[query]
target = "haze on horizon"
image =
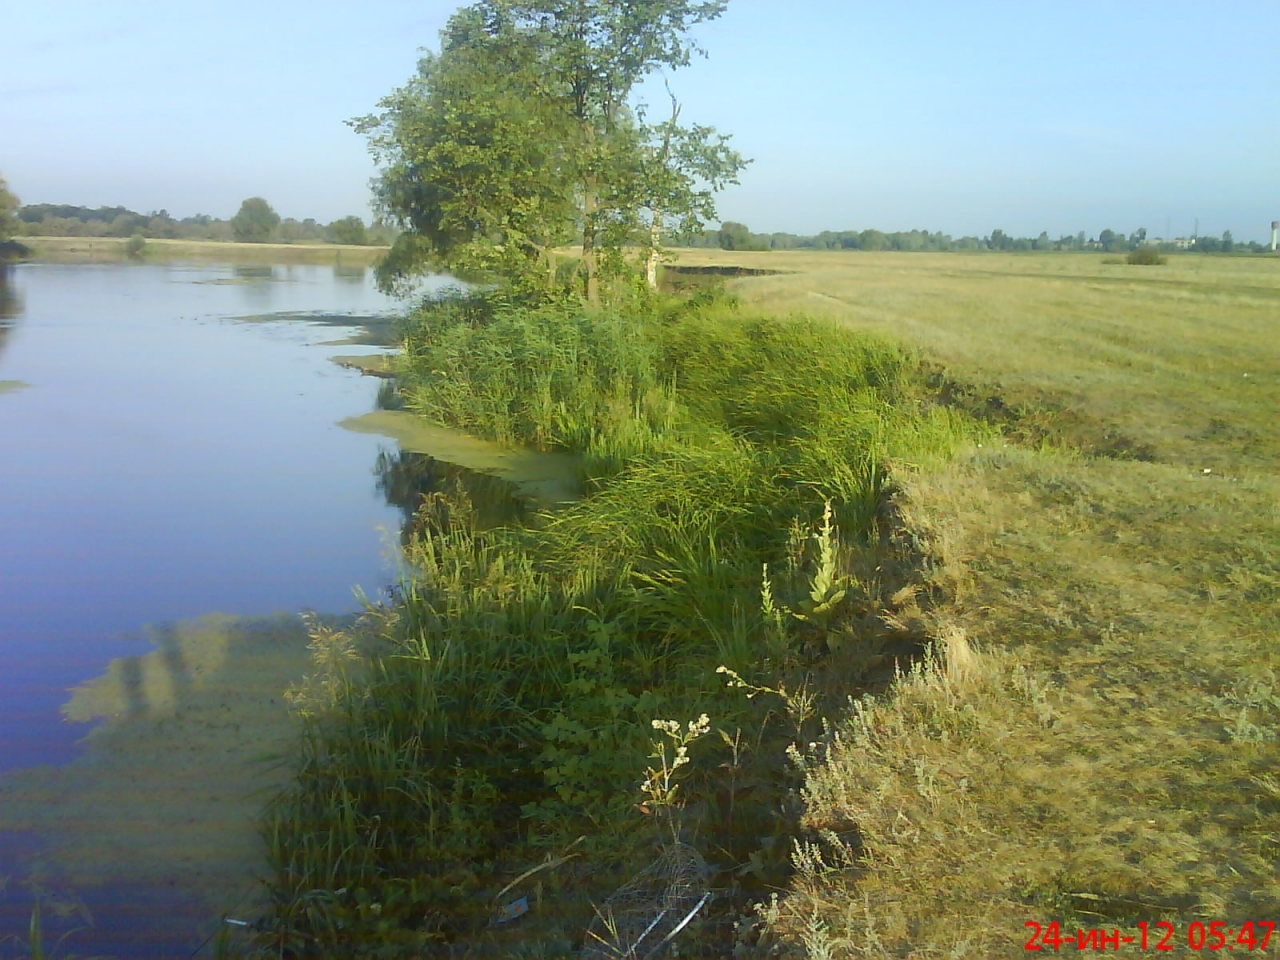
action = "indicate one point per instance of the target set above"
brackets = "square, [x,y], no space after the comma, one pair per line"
[927,114]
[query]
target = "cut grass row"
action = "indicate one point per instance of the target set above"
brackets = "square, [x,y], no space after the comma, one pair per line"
[1108,757]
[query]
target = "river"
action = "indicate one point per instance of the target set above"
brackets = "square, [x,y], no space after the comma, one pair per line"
[172,475]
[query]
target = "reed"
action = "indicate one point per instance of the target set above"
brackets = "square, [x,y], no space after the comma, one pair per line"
[508,700]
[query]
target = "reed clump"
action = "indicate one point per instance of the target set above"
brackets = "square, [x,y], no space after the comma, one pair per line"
[507,703]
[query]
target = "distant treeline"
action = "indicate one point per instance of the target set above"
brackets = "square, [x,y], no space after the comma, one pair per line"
[736,236]
[66,220]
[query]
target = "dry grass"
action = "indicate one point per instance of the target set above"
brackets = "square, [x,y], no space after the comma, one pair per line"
[80,249]
[1109,755]
[1117,357]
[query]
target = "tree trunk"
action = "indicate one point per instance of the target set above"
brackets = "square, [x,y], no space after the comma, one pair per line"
[651,261]
[589,188]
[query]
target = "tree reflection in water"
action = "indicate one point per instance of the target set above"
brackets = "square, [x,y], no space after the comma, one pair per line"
[10,304]
[410,480]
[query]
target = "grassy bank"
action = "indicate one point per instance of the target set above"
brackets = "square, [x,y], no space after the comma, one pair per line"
[113,249]
[495,744]
[1109,757]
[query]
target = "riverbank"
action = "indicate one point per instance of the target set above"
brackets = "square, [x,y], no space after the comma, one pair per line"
[114,249]
[1108,758]
[511,708]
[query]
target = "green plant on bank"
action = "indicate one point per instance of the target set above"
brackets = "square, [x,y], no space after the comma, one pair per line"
[35,946]
[661,782]
[1145,257]
[135,246]
[510,686]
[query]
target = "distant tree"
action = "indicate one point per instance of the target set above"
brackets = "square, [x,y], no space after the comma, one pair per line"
[255,221]
[1138,237]
[135,245]
[348,230]
[1228,242]
[735,236]
[1043,242]
[872,240]
[1113,242]
[162,226]
[10,225]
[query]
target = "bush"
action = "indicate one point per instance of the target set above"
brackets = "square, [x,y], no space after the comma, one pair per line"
[1146,257]
[135,245]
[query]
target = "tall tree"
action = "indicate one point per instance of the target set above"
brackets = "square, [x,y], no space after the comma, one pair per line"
[596,52]
[473,164]
[255,221]
[519,135]
[681,170]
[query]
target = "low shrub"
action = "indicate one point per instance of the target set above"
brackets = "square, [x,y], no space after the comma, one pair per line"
[1145,257]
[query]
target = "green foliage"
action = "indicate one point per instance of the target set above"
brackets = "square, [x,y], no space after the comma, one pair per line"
[736,236]
[10,225]
[9,222]
[1145,256]
[255,222]
[348,230]
[509,706]
[135,245]
[517,137]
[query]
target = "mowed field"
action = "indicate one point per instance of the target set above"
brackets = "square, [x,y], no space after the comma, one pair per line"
[1101,747]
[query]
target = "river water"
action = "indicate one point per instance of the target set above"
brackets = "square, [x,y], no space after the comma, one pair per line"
[169,449]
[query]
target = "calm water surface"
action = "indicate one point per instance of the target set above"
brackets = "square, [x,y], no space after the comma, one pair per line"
[162,459]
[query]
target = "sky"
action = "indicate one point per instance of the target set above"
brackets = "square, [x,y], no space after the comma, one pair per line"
[961,117]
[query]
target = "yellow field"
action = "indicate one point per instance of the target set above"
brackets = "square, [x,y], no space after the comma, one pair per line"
[81,249]
[1108,755]
[1160,355]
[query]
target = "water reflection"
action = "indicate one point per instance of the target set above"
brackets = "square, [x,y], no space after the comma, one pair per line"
[410,482]
[389,397]
[243,271]
[10,304]
[343,273]
[171,787]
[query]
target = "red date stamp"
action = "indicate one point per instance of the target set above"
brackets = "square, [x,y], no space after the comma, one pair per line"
[1211,935]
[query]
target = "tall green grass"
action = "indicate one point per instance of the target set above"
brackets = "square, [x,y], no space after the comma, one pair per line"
[509,702]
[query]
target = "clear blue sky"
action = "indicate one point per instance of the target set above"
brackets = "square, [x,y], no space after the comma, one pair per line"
[959,116]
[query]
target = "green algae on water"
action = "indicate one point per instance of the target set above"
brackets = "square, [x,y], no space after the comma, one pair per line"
[549,478]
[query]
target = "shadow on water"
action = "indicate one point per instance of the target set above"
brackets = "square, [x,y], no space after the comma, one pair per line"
[408,480]
[349,273]
[253,271]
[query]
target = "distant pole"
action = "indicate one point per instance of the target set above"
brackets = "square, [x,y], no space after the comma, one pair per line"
[1275,226]
[1195,234]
